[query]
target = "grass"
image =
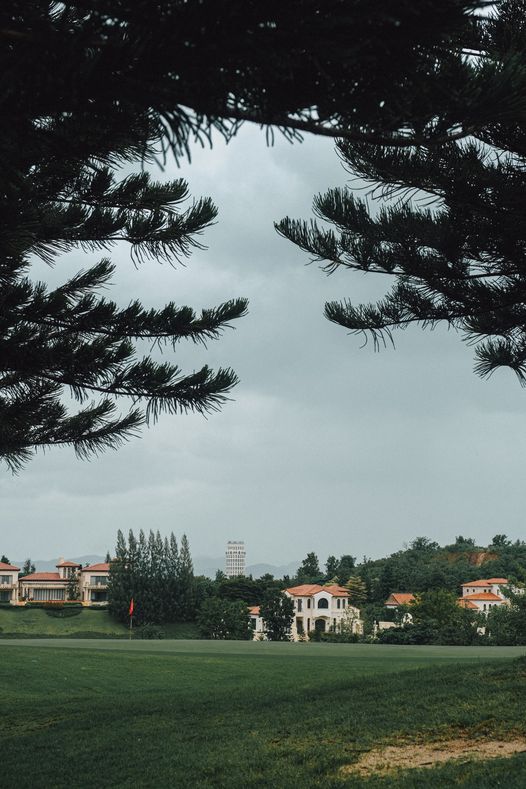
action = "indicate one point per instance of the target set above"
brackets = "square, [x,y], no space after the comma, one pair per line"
[90,623]
[236,715]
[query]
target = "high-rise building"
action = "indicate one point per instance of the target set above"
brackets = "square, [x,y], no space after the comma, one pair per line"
[235,558]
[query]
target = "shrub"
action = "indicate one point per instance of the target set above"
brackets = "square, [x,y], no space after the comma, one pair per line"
[149,631]
[62,613]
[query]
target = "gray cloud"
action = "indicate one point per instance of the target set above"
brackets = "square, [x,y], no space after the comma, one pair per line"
[326,446]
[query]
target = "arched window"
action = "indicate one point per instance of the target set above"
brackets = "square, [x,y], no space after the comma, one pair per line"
[323,602]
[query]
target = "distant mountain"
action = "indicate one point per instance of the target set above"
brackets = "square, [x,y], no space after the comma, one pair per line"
[203,565]
[257,570]
[50,565]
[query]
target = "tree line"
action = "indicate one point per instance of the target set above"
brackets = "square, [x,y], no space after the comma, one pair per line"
[157,574]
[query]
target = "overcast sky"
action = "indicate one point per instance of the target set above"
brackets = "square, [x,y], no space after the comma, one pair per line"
[326,446]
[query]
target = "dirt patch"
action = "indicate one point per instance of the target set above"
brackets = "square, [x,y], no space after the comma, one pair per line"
[407,757]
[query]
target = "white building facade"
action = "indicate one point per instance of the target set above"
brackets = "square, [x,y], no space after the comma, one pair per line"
[485,594]
[235,558]
[323,608]
[9,583]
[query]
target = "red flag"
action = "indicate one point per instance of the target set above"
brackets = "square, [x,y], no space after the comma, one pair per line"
[130,612]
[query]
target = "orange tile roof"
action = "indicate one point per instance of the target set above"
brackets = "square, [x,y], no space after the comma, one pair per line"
[400,598]
[43,577]
[337,591]
[487,582]
[4,566]
[67,564]
[482,596]
[102,567]
[466,603]
[498,580]
[304,590]
[254,610]
[308,590]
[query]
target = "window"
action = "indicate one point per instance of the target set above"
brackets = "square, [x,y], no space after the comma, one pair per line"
[338,604]
[5,579]
[343,602]
[4,597]
[99,580]
[47,594]
[308,603]
[300,605]
[323,602]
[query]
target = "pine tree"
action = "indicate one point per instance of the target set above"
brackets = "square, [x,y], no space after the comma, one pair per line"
[134,80]
[338,68]
[357,591]
[71,339]
[187,592]
[120,591]
[28,568]
[457,257]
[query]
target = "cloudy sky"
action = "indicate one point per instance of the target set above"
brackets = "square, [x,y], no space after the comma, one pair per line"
[326,446]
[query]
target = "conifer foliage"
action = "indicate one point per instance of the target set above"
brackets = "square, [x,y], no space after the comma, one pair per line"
[156,575]
[70,339]
[352,68]
[452,233]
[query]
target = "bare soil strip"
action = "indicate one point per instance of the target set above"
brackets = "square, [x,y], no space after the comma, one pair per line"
[407,757]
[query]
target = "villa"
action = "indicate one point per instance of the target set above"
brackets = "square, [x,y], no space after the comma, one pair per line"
[9,583]
[93,584]
[323,608]
[484,594]
[71,581]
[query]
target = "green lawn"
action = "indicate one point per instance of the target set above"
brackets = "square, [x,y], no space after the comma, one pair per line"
[234,714]
[89,623]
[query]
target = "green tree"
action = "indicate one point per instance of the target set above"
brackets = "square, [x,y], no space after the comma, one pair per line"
[357,591]
[331,566]
[224,619]
[4,559]
[27,569]
[277,612]
[456,258]
[72,589]
[500,541]
[309,568]
[356,70]
[187,592]
[71,337]
[134,80]
[346,566]
[506,624]
[120,584]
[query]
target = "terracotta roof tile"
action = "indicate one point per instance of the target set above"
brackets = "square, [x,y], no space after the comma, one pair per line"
[467,603]
[337,591]
[304,590]
[400,598]
[486,582]
[482,596]
[43,577]
[102,567]
[67,564]
[308,590]
[254,610]
[4,566]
